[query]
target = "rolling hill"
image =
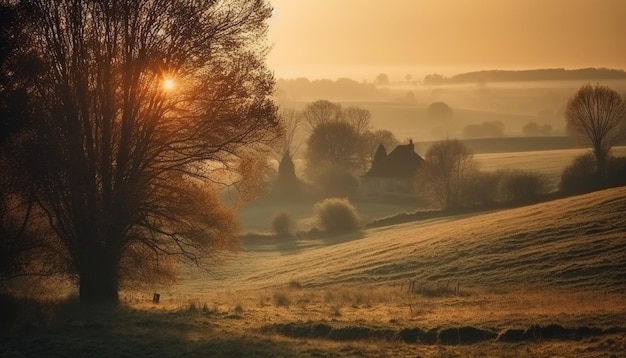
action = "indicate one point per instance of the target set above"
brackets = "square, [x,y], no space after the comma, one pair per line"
[573,244]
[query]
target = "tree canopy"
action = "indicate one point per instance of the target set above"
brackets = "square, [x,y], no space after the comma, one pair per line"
[598,115]
[137,106]
[445,177]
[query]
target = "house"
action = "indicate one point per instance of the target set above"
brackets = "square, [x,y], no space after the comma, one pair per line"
[393,173]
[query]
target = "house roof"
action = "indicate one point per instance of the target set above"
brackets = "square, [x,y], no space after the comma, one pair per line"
[402,162]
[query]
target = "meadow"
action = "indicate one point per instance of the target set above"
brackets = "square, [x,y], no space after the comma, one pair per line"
[543,280]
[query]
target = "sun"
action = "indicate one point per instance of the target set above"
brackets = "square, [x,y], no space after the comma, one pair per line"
[168,84]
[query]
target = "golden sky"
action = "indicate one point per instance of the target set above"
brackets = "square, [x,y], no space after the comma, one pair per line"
[361,38]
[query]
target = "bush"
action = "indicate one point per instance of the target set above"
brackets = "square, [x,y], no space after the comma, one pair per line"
[283,224]
[336,215]
[481,189]
[580,176]
[520,187]
[616,171]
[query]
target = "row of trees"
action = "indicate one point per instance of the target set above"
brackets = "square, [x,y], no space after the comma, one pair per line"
[340,143]
[597,115]
[118,117]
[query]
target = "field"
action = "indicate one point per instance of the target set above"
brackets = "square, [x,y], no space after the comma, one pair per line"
[542,280]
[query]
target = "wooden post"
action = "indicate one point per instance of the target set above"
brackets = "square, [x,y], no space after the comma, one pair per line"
[156,297]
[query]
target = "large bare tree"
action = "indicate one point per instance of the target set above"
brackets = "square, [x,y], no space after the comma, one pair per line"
[142,103]
[598,115]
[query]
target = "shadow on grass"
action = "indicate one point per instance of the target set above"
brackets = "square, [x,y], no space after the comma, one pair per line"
[106,331]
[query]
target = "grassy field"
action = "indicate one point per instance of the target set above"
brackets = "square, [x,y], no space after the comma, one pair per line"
[543,280]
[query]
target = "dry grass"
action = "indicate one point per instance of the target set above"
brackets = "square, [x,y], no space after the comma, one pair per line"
[556,264]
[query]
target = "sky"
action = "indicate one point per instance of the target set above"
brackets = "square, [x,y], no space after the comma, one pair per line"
[362,38]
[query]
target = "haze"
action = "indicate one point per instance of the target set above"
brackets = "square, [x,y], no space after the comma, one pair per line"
[359,39]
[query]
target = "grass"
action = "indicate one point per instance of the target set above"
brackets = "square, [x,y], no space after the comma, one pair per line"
[553,268]
[372,321]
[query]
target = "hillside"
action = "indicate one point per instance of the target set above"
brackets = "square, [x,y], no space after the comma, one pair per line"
[542,281]
[574,244]
[548,74]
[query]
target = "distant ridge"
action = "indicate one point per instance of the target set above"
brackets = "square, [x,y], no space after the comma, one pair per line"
[554,74]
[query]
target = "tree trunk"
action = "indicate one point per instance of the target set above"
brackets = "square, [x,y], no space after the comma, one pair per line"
[601,159]
[98,279]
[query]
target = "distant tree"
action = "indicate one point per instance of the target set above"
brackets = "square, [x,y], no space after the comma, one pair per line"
[439,110]
[381,136]
[321,112]
[337,143]
[120,163]
[493,129]
[358,118]
[598,116]
[449,170]
[434,79]
[338,136]
[382,80]
[532,129]
[292,121]
[287,183]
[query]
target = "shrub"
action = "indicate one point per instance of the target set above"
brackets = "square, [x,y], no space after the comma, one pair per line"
[520,186]
[580,176]
[336,215]
[283,224]
[616,171]
[481,189]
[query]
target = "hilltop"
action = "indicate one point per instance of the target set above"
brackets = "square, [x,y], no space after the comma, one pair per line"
[548,74]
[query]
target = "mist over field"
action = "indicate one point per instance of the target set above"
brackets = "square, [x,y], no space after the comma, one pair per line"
[401,105]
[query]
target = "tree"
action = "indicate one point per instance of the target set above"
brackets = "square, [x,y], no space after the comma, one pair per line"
[439,110]
[337,143]
[358,118]
[23,247]
[448,170]
[532,129]
[598,115]
[321,112]
[382,80]
[292,122]
[339,136]
[141,104]
[494,129]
